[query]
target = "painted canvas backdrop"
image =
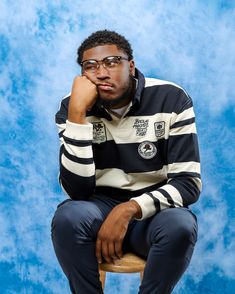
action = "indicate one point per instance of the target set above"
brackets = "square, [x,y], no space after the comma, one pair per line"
[191,43]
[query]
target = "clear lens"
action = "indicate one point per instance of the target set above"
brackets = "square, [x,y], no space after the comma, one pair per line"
[109,62]
[90,65]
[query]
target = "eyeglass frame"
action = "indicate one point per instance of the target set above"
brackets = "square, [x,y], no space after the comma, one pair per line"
[99,62]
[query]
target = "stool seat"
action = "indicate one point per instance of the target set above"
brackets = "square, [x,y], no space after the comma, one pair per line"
[129,263]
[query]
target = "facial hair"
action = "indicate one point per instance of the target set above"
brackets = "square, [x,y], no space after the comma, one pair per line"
[109,104]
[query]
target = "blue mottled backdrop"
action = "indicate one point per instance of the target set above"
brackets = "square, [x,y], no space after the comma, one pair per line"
[189,42]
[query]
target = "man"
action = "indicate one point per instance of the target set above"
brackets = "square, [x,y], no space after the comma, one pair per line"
[129,162]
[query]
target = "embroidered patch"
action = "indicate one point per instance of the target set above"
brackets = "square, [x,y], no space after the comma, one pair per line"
[141,126]
[99,132]
[147,150]
[159,128]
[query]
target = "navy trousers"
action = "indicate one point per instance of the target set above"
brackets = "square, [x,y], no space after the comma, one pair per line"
[165,240]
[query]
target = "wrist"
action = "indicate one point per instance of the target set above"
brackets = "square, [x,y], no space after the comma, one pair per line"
[136,211]
[78,117]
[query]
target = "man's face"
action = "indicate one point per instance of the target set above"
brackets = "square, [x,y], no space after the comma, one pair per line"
[112,83]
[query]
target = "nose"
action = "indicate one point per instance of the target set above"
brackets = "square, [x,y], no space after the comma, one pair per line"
[102,72]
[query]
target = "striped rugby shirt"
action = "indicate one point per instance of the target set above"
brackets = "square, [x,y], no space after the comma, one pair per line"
[150,154]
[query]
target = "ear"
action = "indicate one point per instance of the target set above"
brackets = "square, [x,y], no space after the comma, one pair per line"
[132,68]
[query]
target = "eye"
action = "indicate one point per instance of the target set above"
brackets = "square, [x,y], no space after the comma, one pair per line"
[90,65]
[111,61]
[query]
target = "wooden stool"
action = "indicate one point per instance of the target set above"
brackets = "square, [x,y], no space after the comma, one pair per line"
[129,263]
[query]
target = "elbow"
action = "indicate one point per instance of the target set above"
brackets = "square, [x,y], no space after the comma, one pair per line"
[76,194]
[76,190]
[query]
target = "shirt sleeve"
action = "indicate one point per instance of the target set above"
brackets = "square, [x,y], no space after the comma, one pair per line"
[77,168]
[183,185]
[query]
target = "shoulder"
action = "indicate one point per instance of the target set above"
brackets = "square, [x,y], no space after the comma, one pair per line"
[168,95]
[63,108]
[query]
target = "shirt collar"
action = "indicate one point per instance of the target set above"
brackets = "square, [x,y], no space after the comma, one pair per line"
[140,86]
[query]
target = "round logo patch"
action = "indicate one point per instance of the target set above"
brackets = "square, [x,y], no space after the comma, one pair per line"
[147,150]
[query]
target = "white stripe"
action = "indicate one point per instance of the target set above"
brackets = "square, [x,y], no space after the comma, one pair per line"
[124,130]
[84,170]
[190,166]
[78,131]
[79,151]
[157,82]
[187,129]
[162,199]
[61,127]
[186,114]
[117,178]
[174,193]
[146,203]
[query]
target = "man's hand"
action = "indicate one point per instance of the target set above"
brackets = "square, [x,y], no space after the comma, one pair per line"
[113,230]
[83,96]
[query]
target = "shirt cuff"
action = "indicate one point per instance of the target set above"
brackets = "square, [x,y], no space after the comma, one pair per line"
[78,131]
[146,204]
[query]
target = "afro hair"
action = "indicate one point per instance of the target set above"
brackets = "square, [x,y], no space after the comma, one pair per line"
[104,37]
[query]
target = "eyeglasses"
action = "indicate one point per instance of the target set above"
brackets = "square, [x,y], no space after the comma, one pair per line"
[110,62]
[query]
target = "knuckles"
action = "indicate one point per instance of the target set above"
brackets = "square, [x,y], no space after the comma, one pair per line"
[108,238]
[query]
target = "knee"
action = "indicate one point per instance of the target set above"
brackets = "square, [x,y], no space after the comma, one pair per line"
[72,222]
[178,227]
[183,233]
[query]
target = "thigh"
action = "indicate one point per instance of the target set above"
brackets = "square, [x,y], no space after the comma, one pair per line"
[81,218]
[170,226]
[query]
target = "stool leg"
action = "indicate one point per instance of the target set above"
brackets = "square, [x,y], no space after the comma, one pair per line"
[141,276]
[102,278]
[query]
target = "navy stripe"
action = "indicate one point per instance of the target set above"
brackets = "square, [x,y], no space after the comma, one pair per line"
[183,148]
[183,174]
[62,114]
[60,119]
[170,99]
[187,188]
[61,133]
[78,159]
[167,196]
[79,143]
[125,195]
[76,186]
[162,99]
[156,201]
[183,123]
[127,157]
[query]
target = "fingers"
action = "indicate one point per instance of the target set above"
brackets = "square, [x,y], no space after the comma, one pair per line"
[102,250]
[112,254]
[105,252]
[85,76]
[118,249]
[98,251]
[109,251]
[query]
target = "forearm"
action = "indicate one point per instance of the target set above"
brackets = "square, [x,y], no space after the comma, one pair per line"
[77,169]
[83,97]
[178,192]
[77,116]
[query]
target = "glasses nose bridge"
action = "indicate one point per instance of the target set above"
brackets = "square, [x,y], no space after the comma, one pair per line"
[99,63]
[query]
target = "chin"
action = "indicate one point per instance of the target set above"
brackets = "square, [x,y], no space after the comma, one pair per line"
[107,103]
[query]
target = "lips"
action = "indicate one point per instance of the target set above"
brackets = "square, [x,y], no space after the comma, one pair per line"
[105,87]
